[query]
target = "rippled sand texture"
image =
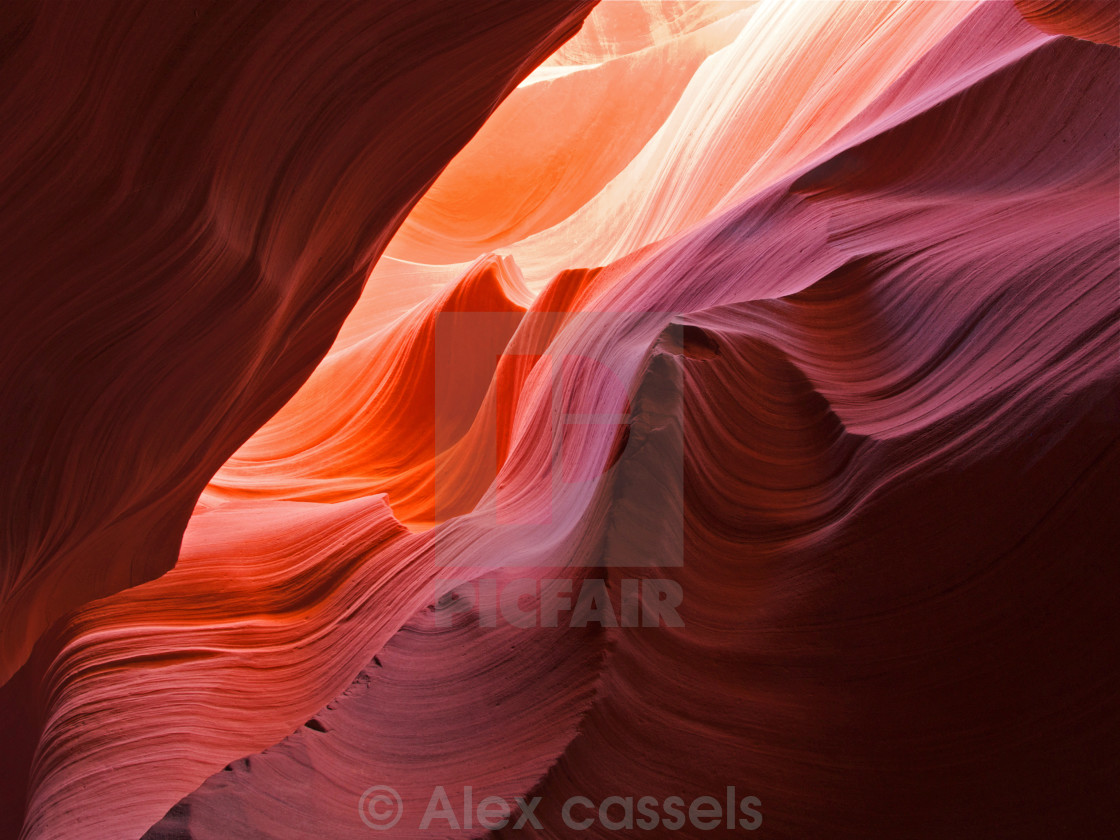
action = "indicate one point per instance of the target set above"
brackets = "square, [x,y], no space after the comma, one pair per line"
[845,274]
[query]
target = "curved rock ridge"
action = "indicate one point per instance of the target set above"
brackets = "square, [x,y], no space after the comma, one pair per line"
[775,447]
[1091,20]
[792,75]
[393,724]
[363,421]
[515,179]
[193,197]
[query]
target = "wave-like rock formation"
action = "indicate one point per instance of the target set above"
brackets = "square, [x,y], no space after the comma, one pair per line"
[740,408]
[192,196]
